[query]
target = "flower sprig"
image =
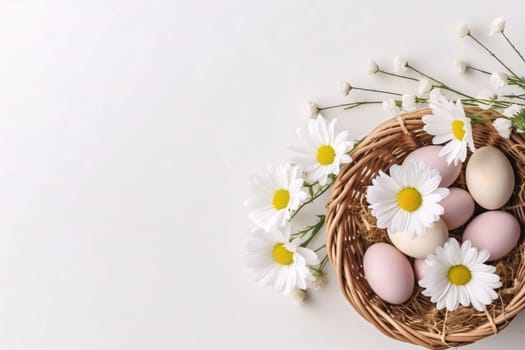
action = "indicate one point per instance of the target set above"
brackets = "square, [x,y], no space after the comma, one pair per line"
[277,255]
[505,92]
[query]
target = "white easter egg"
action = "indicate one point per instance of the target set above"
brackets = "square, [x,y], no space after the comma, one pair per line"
[490,178]
[422,245]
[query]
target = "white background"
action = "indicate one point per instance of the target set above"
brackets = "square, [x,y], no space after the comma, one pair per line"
[128,130]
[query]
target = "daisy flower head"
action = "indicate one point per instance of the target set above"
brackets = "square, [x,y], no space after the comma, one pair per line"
[461,66]
[408,199]
[298,296]
[323,150]
[487,98]
[277,261]
[344,88]
[512,110]
[275,194]
[390,107]
[400,64]
[408,103]
[462,30]
[435,95]
[424,86]
[372,67]
[498,80]
[312,109]
[448,123]
[497,25]
[457,275]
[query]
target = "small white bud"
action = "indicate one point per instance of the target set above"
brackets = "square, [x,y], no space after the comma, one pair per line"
[372,67]
[400,64]
[408,103]
[390,107]
[503,126]
[425,85]
[435,96]
[461,67]
[312,109]
[497,26]
[344,88]
[498,80]
[319,281]
[462,30]
[512,110]
[298,296]
[488,98]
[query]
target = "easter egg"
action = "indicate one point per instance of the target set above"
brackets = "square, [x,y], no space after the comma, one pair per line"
[490,178]
[458,206]
[430,155]
[495,231]
[420,266]
[389,273]
[422,245]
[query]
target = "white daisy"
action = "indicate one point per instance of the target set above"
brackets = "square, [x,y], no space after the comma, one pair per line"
[275,261]
[448,123]
[407,200]
[275,195]
[457,275]
[322,151]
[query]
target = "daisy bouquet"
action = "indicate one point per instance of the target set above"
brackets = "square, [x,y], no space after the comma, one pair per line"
[433,195]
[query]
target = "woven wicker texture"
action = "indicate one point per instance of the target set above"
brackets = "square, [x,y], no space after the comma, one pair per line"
[351,229]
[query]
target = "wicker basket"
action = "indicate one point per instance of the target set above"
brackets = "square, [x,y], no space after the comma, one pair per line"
[351,229]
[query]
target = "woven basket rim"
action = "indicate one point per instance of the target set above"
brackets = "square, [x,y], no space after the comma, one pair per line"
[341,243]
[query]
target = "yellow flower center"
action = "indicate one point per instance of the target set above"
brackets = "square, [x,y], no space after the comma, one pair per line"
[458,129]
[409,199]
[282,255]
[459,275]
[325,155]
[280,199]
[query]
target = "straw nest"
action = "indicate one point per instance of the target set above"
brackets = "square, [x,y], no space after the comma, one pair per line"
[351,230]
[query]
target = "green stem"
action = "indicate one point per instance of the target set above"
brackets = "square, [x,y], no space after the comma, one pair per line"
[512,45]
[479,70]
[316,195]
[442,85]
[512,81]
[514,96]
[476,118]
[357,104]
[321,247]
[493,55]
[379,91]
[323,263]
[398,75]
[316,228]
[349,105]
